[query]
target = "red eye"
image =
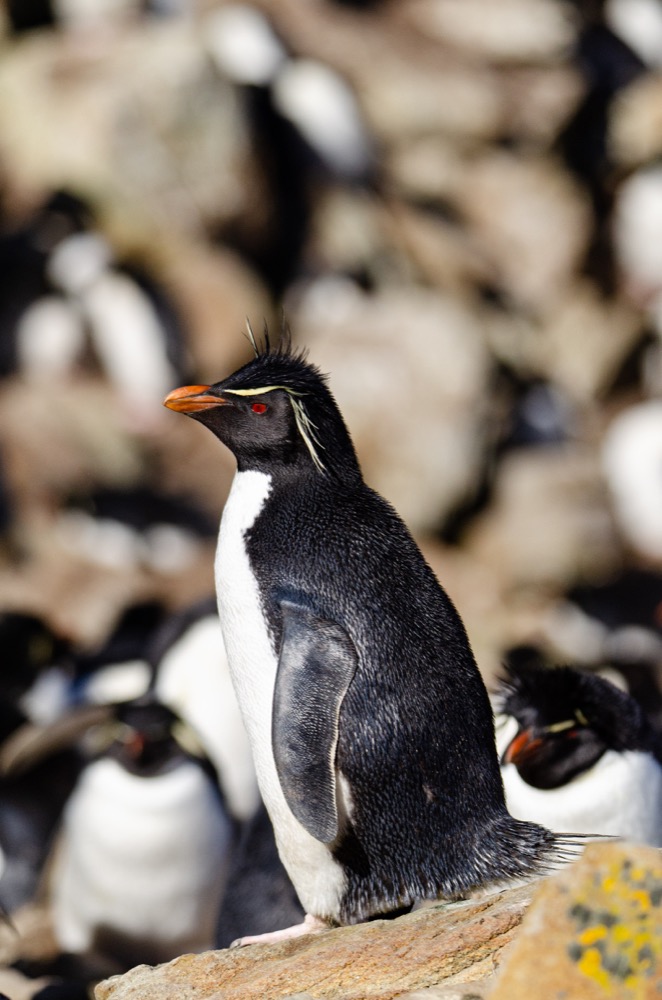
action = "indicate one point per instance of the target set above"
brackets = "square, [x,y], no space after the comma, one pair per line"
[259,407]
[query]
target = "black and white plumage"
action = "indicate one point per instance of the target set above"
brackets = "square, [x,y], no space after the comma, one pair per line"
[307,132]
[316,99]
[66,294]
[578,752]
[134,527]
[259,897]
[192,677]
[117,670]
[30,804]
[370,725]
[145,843]
[180,658]
[617,621]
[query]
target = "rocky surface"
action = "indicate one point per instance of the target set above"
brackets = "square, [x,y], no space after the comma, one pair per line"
[592,930]
[486,299]
[459,943]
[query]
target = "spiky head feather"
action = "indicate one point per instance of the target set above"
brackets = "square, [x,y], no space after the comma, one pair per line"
[318,419]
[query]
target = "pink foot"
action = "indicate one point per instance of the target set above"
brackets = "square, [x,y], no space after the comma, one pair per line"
[310,925]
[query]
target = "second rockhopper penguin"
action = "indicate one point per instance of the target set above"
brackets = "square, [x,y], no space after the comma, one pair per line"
[369,722]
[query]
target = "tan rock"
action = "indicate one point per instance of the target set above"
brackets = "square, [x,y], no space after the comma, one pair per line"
[379,960]
[635,127]
[532,221]
[512,30]
[409,369]
[215,291]
[19,987]
[540,99]
[404,99]
[549,523]
[586,339]
[141,116]
[594,931]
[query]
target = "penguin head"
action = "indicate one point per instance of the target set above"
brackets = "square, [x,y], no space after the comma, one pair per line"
[567,719]
[275,411]
[144,738]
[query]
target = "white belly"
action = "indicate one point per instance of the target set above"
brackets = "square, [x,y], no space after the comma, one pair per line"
[145,858]
[194,680]
[317,878]
[621,795]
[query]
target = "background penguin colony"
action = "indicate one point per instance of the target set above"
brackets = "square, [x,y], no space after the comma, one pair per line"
[461,217]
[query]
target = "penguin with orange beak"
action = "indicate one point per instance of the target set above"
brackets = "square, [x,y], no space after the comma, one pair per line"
[370,725]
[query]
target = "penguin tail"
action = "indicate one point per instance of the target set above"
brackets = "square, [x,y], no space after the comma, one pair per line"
[568,847]
[525,850]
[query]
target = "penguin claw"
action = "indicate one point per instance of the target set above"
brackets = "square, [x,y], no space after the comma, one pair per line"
[309,925]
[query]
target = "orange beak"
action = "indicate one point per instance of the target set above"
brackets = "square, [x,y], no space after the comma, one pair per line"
[521,747]
[191,398]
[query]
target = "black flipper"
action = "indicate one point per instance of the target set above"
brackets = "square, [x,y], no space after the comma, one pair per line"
[316,665]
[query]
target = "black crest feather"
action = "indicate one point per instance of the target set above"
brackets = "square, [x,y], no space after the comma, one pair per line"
[277,363]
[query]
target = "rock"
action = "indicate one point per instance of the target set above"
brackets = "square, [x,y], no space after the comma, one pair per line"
[540,100]
[460,991]
[404,99]
[511,31]
[587,365]
[142,117]
[13,984]
[635,127]
[215,291]
[549,524]
[531,220]
[413,392]
[593,931]
[380,960]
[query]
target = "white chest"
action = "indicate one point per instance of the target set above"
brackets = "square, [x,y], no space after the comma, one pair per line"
[253,663]
[145,857]
[621,795]
[194,679]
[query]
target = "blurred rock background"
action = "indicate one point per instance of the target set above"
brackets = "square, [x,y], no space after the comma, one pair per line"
[456,205]
[465,232]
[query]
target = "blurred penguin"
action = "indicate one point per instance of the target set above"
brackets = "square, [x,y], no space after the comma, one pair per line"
[578,753]
[30,804]
[632,465]
[135,527]
[192,678]
[307,130]
[259,896]
[639,24]
[146,838]
[608,64]
[65,291]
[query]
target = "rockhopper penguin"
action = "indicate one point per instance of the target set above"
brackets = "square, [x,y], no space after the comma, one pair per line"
[369,722]
[578,752]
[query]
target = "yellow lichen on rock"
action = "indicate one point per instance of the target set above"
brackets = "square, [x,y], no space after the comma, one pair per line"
[593,931]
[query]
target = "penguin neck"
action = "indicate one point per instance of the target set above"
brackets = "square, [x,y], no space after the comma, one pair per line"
[300,468]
